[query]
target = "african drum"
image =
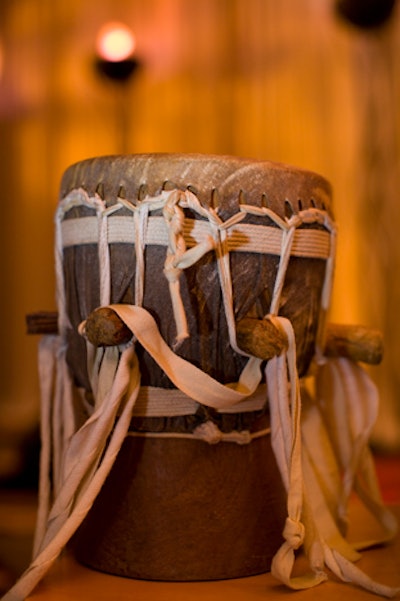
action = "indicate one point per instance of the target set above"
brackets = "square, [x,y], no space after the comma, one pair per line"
[176,506]
[199,419]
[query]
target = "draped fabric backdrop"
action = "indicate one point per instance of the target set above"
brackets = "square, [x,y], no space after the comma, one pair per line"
[284,80]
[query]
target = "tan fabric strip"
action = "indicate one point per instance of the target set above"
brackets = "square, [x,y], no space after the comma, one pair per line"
[242,237]
[164,402]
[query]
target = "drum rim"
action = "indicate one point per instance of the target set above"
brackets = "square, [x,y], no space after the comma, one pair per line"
[234,178]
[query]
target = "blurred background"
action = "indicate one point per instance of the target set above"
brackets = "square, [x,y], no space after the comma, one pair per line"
[313,83]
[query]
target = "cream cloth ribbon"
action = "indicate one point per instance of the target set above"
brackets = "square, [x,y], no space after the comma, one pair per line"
[348,404]
[307,456]
[87,457]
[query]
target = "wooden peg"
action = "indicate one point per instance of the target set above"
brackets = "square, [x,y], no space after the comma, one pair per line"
[169,185]
[264,201]
[121,192]
[215,199]
[100,190]
[242,198]
[258,337]
[104,327]
[192,189]
[142,192]
[355,342]
[42,322]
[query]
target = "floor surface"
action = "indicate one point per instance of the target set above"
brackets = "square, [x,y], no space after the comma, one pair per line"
[18,514]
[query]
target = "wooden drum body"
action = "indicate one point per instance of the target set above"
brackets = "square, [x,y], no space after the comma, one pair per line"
[176,507]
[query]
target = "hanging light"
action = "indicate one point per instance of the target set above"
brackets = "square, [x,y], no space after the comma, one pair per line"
[115,51]
[366,14]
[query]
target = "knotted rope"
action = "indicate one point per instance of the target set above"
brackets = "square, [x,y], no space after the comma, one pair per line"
[84,453]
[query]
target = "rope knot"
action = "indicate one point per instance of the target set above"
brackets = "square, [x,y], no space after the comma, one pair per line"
[293,532]
[313,215]
[208,432]
[171,272]
[173,213]
[294,221]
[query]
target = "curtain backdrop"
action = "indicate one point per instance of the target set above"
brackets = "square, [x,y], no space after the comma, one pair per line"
[283,80]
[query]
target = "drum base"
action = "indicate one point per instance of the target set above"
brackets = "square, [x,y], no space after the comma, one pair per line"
[183,510]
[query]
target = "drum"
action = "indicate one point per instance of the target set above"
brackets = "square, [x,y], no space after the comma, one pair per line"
[202,243]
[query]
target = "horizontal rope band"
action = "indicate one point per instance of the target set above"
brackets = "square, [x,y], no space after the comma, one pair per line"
[166,402]
[242,237]
[239,437]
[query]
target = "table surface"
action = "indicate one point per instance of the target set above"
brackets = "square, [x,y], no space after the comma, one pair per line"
[69,580]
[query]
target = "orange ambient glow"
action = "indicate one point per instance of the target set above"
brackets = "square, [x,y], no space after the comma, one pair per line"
[1,60]
[115,42]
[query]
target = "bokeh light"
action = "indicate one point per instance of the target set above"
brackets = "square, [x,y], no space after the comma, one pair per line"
[115,42]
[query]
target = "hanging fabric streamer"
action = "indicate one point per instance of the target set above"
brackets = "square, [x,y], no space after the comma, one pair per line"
[322,458]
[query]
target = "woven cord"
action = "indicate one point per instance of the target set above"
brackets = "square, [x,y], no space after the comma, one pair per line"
[85,456]
[174,217]
[90,457]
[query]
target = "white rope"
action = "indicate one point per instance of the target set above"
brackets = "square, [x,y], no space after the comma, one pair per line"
[83,455]
[348,401]
[225,279]
[174,218]
[141,216]
[76,198]
[48,352]
[104,259]
[191,380]
[207,432]
[241,237]
[287,241]
[309,520]
[163,402]
[177,232]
